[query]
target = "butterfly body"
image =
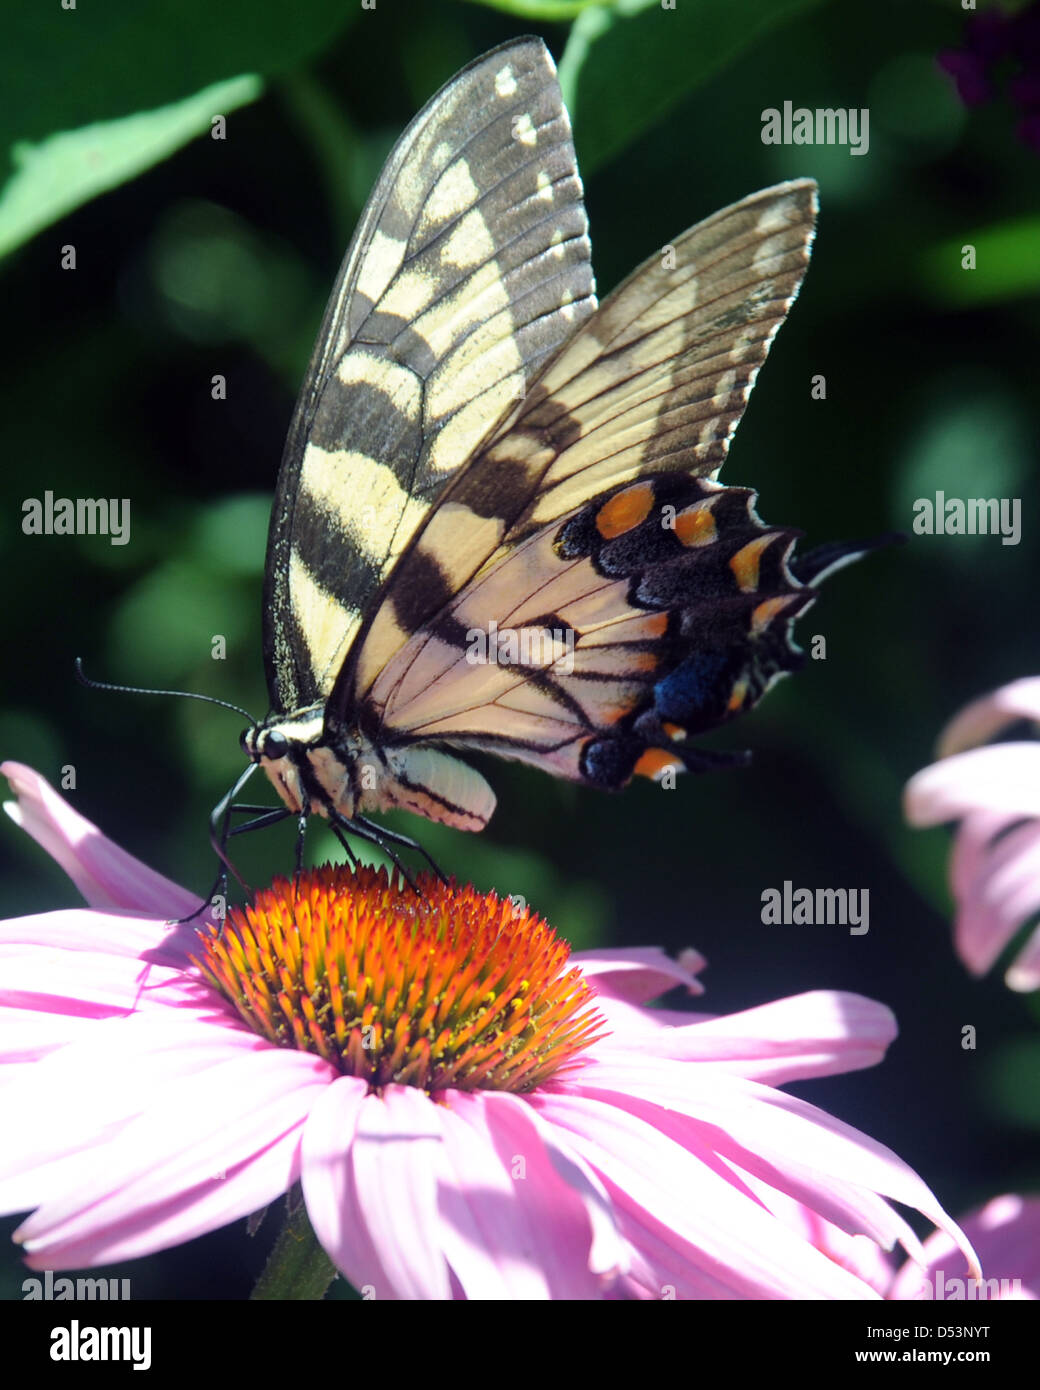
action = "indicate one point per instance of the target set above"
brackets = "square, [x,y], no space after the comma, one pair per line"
[320,768]
[497,525]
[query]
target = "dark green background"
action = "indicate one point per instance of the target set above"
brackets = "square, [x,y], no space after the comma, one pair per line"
[219,260]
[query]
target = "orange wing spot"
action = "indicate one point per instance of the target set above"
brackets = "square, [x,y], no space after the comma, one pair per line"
[737,696]
[655,762]
[766,611]
[674,731]
[624,511]
[744,563]
[657,625]
[696,526]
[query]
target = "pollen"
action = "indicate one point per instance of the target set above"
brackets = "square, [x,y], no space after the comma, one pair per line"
[441,988]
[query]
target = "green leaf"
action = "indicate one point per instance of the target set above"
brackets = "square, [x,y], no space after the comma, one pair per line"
[1006,264]
[66,68]
[70,168]
[543,11]
[614,96]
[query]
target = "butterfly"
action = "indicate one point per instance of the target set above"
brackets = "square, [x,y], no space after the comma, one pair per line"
[497,525]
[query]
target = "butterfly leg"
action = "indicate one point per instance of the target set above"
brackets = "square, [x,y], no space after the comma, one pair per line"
[220,821]
[399,839]
[301,831]
[365,830]
[352,858]
[268,816]
[271,816]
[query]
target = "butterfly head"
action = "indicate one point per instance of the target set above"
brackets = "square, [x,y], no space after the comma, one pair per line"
[260,743]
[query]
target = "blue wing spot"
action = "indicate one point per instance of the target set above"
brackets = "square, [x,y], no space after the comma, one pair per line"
[696,687]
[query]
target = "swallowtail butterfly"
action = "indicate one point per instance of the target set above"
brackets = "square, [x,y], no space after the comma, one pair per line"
[497,525]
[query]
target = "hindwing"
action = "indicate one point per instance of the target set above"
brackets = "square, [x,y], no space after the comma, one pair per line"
[655,380]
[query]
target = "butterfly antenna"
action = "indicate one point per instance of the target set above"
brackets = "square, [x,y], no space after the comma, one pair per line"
[84,679]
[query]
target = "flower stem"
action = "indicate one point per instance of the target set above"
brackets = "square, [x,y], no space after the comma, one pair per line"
[297,1267]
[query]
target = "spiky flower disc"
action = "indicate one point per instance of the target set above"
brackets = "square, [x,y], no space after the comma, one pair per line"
[442,988]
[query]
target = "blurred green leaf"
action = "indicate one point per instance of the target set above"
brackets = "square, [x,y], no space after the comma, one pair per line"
[1007,264]
[167,621]
[70,168]
[545,11]
[64,69]
[1010,1088]
[230,534]
[613,100]
[972,439]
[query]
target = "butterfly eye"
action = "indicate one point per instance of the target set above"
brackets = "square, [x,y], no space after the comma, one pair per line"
[275,745]
[245,742]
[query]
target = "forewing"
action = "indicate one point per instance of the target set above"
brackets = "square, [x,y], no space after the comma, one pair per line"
[654,383]
[469,268]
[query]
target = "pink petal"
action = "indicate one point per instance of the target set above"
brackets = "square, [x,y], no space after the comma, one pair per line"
[334,1204]
[212,1148]
[73,1101]
[697,1212]
[106,875]
[639,974]
[1004,894]
[971,847]
[985,717]
[1023,974]
[394,1158]
[511,1226]
[1006,1234]
[27,1037]
[816,1034]
[1004,778]
[800,1144]
[113,933]
[90,983]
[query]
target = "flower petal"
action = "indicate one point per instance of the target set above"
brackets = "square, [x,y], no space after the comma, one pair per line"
[106,875]
[638,974]
[985,717]
[671,1195]
[394,1157]
[518,1217]
[329,1189]
[1003,895]
[1006,1234]
[1004,778]
[213,1147]
[793,1145]
[821,1033]
[75,1100]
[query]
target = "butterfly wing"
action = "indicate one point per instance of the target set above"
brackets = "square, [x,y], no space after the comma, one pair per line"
[469,268]
[652,601]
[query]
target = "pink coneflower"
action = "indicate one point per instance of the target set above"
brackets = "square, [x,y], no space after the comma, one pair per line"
[471,1113]
[1006,1235]
[995,794]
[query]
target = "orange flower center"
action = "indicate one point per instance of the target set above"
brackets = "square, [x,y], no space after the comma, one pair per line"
[445,987]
